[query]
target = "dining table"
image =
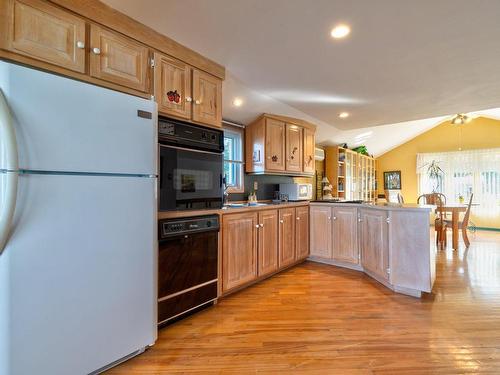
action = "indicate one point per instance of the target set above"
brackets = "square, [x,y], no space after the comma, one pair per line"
[454,209]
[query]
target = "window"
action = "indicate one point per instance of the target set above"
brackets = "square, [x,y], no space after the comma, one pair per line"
[465,173]
[233,159]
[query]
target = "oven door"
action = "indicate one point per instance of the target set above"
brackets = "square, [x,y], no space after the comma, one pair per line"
[189,179]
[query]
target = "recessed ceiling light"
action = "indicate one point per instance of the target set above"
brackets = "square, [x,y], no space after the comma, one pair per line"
[237,102]
[343,114]
[340,31]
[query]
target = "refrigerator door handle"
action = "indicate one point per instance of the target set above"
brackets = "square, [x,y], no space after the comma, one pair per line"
[8,137]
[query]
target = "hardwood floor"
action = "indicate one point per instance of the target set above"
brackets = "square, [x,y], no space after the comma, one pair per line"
[318,319]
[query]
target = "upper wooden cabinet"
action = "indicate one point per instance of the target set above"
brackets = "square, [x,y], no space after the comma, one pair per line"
[172,81]
[374,242]
[117,59]
[239,249]
[44,32]
[187,93]
[279,145]
[275,145]
[294,143]
[309,146]
[207,98]
[301,232]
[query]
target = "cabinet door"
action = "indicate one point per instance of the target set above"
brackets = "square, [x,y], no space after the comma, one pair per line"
[309,145]
[286,236]
[118,59]
[268,242]
[239,249]
[345,234]
[302,233]
[207,96]
[374,242]
[293,148]
[321,231]
[36,29]
[172,79]
[275,145]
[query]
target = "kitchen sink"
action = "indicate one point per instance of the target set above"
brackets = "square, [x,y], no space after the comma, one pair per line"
[238,205]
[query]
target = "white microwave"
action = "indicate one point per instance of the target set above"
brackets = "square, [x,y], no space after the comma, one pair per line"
[297,192]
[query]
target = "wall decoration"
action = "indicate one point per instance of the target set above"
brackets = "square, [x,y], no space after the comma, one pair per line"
[392,180]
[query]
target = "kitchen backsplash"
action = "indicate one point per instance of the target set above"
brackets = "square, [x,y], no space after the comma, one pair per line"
[267,185]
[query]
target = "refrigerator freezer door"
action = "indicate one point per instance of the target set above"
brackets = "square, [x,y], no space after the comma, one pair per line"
[66,125]
[78,275]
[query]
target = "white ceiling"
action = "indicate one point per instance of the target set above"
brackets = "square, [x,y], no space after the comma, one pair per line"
[404,60]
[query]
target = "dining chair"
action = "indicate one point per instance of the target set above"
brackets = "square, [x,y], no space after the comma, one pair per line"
[440,224]
[463,225]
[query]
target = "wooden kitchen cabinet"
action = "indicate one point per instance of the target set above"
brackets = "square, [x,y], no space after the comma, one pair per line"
[118,59]
[44,32]
[301,233]
[172,82]
[280,145]
[321,231]
[345,235]
[374,242]
[268,242]
[275,145]
[294,152]
[207,98]
[287,221]
[239,249]
[309,149]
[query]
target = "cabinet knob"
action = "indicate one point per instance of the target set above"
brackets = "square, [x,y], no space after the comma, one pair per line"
[329,218]
[298,218]
[96,51]
[197,102]
[189,99]
[80,45]
[335,218]
[256,225]
[281,221]
[261,225]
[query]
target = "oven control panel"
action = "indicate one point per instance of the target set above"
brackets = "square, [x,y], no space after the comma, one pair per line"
[175,227]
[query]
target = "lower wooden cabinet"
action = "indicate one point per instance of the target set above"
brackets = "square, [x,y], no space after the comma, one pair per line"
[268,242]
[301,233]
[374,242]
[345,235]
[321,231]
[258,244]
[239,249]
[286,231]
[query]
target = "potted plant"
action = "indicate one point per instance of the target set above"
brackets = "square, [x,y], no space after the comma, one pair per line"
[434,172]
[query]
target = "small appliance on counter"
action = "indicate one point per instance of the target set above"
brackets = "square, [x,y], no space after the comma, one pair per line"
[191,164]
[187,265]
[296,191]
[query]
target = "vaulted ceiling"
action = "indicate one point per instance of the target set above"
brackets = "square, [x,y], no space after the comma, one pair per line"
[404,60]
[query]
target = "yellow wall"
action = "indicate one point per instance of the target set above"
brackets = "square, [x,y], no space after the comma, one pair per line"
[479,133]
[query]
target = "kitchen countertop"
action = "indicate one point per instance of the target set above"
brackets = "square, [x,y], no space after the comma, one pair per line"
[229,210]
[381,206]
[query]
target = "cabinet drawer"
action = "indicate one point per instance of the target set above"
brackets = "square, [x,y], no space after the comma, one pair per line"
[36,29]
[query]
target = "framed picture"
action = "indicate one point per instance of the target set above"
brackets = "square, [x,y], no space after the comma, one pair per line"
[392,180]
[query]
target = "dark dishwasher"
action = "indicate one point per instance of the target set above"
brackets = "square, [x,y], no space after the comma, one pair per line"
[187,267]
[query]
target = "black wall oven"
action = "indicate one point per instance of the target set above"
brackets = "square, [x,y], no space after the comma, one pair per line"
[191,166]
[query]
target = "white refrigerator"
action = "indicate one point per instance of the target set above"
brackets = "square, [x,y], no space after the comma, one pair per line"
[78,240]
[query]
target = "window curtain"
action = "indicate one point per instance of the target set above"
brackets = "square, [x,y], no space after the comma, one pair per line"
[464,173]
